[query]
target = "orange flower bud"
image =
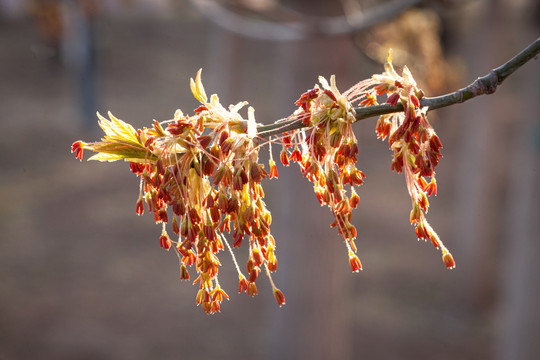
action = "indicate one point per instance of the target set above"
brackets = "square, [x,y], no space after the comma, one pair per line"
[273,170]
[356,177]
[414,100]
[165,241]
[254,274]
[184,274]
[207,307]
[194,216]
[448,260]
[218,294]
[175,227]
[296,155]
[280,298]
[355,263]
[140,207]
[416,214]
[272,266]
[284,158]
[257,258]
[431,188]
[215,307]
[204,140]
[78,147]
[242,284]
[335,139]
[207,166]
[421,231]
[252,289]
[354,200]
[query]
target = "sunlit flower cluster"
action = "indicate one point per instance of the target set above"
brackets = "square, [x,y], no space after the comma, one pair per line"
[415,145]
[201,175]
[326,151]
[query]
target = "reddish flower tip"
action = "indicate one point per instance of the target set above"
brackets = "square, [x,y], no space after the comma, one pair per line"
[184,274]
[280,298]
[140,207]
[242,284]
[252,289]
[448,260]
[78,147]
[165,241]
[355,263]
[284,158]
[273,170]
[415,101]
[393,99]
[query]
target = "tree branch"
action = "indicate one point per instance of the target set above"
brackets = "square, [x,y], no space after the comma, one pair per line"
[484,85]
[309,27]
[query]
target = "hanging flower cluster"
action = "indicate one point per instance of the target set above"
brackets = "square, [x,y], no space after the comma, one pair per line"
[205,169]
[415,145]
[200,174]
[326,152]
[326,148]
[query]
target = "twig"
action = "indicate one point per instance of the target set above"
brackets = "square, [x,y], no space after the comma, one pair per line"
[300,30]
[482,86]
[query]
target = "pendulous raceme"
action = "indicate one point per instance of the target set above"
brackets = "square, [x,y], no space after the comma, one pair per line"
[200,175]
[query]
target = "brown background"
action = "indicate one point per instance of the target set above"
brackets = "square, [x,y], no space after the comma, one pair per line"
[82,277]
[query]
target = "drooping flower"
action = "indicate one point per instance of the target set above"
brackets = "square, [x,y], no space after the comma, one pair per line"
[203,172]
[326,150]
[415,145]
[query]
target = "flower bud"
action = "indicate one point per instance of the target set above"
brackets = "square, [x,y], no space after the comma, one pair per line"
[280,298]
[284,157]
[165,241]
[354,262]
[252,289]
[242,284]
[184,274]
[354,200]
[448,260]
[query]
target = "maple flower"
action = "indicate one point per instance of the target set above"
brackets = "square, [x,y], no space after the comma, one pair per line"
[326,150]
[200,174]
[415,145]
[355,263]
[202,171]
[280,298]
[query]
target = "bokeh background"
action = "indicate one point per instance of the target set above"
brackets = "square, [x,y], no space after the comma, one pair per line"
[82,277]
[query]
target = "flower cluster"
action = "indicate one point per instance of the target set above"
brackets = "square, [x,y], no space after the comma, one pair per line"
[326,152]
[415,145]
[201,175]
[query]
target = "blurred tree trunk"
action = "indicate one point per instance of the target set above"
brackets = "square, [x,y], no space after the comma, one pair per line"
[519,284]
[495,182]
[478,180]
[314,323]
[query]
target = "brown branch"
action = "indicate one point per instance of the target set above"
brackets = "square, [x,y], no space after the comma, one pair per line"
[309,27]
[484,85]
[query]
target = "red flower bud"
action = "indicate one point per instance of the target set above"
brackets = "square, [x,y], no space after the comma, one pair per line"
[273,170]
[165,241]
[77,147]
[140,206]
[448,260]
[242,284]
[355,263]
[280,298]
[284,158]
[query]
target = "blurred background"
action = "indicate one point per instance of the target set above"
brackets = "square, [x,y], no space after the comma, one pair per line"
[82,277]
